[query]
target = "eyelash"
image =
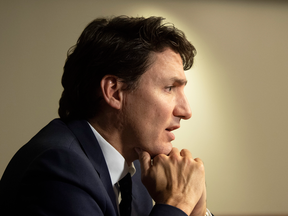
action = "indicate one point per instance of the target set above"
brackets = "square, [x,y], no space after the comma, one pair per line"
[169,88]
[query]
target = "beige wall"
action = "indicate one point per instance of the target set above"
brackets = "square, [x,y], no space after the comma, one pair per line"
[237,89]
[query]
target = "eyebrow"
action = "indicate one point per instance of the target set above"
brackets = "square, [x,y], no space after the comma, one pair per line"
[179,81]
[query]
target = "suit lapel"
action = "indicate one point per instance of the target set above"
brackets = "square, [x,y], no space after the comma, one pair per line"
[91,147]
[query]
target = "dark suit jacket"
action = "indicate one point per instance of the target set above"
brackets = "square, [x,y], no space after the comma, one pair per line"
[62,171]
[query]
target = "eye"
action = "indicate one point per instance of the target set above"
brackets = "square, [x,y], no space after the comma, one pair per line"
[169,88]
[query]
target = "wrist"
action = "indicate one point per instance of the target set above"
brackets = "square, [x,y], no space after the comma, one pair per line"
[199,211]
[182,205]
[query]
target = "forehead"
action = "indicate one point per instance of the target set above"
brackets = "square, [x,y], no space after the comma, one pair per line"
[166,66]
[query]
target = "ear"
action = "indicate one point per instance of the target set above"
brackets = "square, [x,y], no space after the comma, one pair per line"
[112,91]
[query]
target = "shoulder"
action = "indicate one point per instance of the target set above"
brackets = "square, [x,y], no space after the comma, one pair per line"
[55,143]
[54,134]
[51,163]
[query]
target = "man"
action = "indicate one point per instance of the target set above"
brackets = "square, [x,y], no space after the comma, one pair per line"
[123,96]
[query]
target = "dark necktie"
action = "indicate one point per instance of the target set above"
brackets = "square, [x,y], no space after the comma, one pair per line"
[126,195]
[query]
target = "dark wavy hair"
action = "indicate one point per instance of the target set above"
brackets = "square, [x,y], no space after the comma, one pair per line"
[119,46]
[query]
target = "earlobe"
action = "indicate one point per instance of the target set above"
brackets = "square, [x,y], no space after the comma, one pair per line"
[112,91]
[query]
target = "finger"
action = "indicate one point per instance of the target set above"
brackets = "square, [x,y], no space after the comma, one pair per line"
[174,151]
[185,153]
[198,160]
[200,165]
[144,159]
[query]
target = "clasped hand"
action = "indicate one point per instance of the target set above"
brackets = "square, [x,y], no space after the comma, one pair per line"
[175,179]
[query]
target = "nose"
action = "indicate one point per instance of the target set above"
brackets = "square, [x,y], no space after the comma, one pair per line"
[182,108]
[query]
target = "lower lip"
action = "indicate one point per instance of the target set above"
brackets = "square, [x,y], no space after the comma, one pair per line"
[171,135]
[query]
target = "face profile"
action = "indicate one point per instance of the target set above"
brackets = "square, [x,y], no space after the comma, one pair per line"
[154,110]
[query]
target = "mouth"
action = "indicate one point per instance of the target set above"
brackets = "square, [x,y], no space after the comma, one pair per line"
[170,129]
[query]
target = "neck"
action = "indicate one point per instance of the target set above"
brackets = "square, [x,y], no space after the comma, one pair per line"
[111,130]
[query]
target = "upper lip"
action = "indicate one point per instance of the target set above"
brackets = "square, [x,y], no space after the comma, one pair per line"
[173,128]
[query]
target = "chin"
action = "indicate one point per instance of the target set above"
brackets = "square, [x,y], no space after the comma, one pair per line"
[164,150]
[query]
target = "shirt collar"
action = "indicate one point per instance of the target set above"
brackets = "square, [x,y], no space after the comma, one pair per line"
[116,164]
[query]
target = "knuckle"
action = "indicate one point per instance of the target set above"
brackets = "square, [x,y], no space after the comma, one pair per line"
[188,161]
[174,158]
[174,149]
[185,150]
[159,157]
[200,167]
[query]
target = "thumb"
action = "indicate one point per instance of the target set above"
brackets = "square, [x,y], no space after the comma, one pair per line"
[144,159]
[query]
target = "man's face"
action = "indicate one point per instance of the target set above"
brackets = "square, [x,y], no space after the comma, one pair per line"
[155,108]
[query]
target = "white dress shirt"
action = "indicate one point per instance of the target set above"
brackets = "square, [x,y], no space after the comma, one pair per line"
[117,166]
